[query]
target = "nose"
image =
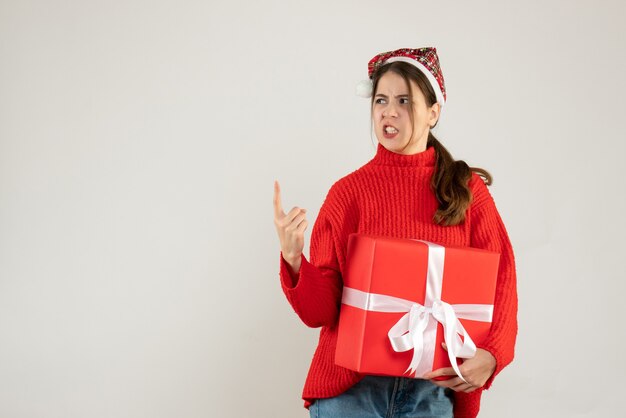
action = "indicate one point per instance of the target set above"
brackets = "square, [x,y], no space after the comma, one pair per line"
[390,111]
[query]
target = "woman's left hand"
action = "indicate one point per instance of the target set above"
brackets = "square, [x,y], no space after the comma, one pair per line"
[475,370]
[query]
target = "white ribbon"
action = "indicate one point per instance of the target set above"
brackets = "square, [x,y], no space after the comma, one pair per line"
[417,329]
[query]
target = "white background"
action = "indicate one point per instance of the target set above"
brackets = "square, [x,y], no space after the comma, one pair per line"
[139,141]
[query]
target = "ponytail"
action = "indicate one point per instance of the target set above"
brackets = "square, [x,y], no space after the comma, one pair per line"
[450,183]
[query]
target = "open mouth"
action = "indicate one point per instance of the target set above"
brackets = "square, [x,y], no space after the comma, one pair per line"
[389,131]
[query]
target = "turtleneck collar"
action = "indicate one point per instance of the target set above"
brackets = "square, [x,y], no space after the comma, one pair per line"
[421,159]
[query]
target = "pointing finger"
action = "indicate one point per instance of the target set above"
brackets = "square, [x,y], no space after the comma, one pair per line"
[278,206]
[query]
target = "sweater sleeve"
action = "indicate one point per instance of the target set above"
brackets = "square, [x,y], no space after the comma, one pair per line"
[315,291]
[488,232]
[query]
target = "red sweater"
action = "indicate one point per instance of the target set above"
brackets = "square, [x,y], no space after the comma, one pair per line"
[391,196]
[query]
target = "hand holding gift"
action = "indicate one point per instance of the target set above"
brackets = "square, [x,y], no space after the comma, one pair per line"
[290,228]
[476,371]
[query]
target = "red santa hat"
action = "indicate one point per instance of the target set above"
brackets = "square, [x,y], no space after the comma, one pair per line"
[425,59]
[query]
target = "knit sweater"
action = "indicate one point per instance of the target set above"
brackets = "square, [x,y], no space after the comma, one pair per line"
[391,196]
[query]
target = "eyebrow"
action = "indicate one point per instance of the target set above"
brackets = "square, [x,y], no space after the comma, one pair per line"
[385,96]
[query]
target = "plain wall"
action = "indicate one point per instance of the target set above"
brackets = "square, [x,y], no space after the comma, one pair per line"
[139,142]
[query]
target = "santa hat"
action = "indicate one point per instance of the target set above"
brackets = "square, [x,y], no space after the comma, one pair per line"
[425,59]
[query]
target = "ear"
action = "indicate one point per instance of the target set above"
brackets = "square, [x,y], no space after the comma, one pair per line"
[434,113]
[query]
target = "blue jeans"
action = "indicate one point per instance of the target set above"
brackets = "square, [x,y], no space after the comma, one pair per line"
[387,397]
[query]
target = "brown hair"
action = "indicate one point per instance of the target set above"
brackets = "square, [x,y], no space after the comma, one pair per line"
[450,182]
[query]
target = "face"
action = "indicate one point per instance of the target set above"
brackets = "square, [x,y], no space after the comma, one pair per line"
[391,114]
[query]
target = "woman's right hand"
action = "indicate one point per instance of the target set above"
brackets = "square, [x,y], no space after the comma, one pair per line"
[290,228]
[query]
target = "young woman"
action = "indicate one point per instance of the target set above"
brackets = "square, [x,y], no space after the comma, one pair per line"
[411,188]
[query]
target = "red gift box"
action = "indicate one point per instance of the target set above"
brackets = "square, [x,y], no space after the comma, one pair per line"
[402,298]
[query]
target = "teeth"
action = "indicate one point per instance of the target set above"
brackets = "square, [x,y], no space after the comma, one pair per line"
[391,130]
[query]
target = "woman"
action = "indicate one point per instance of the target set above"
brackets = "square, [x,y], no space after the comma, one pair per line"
[412,188]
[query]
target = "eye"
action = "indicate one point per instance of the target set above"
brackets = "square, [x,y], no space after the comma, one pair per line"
[404,100]
[380,100]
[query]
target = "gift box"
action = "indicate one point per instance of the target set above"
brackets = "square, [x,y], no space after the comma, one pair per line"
[403,297]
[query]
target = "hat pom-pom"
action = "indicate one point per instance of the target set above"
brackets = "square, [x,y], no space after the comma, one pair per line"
[364,88]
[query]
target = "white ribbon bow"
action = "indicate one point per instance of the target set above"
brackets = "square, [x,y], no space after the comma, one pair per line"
[417,329]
